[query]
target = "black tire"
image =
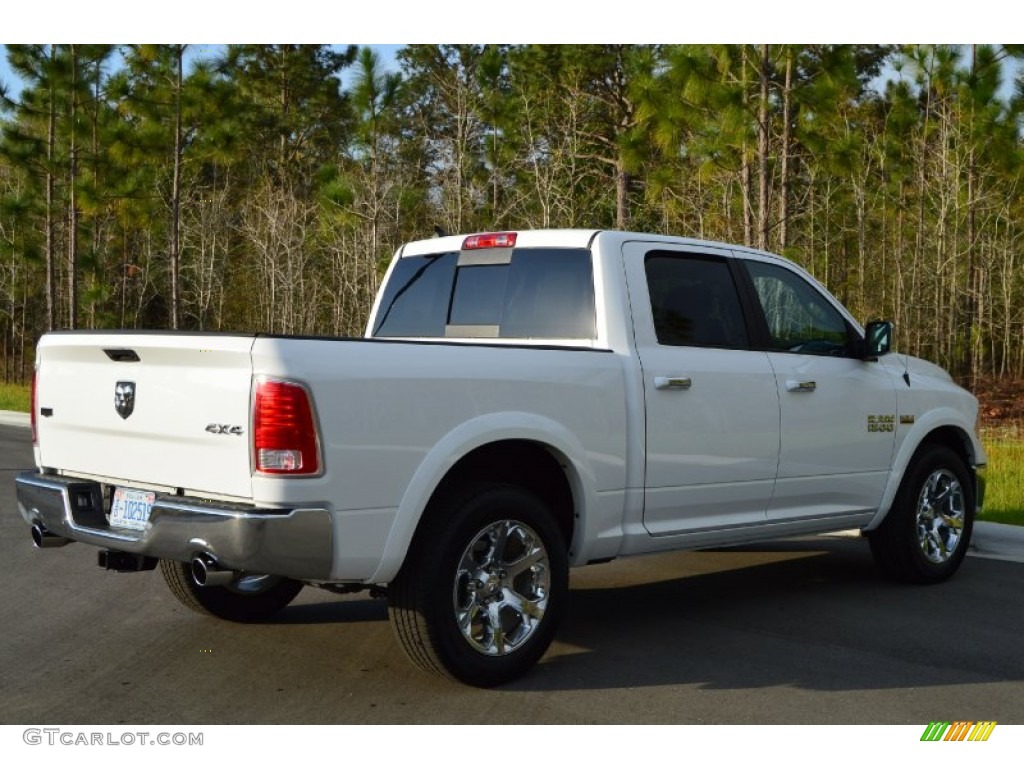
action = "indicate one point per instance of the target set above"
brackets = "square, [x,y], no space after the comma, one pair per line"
[491,556]
[925,536]
[252,599]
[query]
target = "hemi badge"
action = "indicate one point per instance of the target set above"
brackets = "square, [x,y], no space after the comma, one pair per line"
[907,418]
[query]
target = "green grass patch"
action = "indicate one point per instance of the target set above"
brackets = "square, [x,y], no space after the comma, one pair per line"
[1004,489]
[15,397]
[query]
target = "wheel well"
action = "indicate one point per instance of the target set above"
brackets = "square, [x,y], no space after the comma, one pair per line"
[958,442]
[955,440]
[530,465]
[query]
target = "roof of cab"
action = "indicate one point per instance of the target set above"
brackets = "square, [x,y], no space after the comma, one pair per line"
[568,238]
[525,238]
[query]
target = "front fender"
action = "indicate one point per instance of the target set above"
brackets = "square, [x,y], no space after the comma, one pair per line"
[924,426]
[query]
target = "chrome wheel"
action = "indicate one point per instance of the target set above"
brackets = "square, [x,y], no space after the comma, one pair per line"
[482,589]
[501,587]
[941,513]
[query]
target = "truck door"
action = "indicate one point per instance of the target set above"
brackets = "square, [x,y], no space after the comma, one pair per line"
[838,411]
[712,409]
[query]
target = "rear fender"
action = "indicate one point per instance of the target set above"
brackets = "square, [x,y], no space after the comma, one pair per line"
[463,440]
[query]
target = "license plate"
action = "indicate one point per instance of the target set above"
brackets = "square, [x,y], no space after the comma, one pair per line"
[131,509]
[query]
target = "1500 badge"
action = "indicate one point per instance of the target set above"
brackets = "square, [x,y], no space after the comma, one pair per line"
[882,423]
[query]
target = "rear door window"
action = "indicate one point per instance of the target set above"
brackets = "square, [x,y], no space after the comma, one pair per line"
[694,301]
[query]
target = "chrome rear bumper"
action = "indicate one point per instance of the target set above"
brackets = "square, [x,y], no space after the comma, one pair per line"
[286,542]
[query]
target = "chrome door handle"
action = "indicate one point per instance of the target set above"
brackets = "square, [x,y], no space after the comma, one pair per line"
[672,382]
[800,386]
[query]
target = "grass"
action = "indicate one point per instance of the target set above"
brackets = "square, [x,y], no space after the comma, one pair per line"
[1004,490]
[15,397]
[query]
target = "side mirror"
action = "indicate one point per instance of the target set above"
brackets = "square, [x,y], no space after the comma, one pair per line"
[877,338]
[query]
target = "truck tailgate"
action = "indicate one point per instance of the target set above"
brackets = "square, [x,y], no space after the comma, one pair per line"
[148,409]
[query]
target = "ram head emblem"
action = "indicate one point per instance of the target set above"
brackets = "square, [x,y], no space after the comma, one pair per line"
[124,398]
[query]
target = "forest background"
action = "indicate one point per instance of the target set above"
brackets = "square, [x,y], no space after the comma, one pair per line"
[259,187]
[265,187]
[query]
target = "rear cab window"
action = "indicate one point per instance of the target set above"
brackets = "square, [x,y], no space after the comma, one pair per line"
[498,293]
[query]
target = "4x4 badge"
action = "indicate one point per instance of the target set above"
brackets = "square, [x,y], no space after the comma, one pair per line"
[124,398]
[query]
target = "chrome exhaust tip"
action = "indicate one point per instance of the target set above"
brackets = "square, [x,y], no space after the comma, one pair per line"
[207,572]
[45,539]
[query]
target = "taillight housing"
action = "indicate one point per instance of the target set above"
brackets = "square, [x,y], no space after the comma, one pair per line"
[34,408]
[285,439]
[489,240]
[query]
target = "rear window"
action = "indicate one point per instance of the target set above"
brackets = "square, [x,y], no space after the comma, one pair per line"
[531,293]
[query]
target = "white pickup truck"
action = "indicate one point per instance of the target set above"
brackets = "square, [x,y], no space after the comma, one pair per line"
[523,402]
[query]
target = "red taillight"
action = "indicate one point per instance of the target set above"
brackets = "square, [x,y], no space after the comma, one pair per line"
[284,432]
[490,240]
[35,409]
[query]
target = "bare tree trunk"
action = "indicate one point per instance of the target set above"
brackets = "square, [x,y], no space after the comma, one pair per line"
[745,175]
[124,273]
[51,256]
[787,104]
[21,346]
[762,152]
[283,139]
[972,259]
[73,212]
[176,195]
[621,195]
[96,234]
[860,204]
[494,176]
[916,297]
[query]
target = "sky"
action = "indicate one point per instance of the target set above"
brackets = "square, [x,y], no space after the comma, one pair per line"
[193,52]
[524,21]
[389,25]
[387,53]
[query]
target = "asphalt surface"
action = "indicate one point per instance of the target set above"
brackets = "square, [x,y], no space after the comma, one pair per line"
[791,632]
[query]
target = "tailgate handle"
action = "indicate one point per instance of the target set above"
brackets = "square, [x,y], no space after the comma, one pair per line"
[122,355]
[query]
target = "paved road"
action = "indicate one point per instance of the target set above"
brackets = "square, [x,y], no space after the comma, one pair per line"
[795,632]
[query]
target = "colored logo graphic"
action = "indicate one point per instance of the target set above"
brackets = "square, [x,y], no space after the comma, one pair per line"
[958,731]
